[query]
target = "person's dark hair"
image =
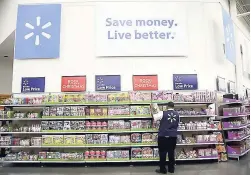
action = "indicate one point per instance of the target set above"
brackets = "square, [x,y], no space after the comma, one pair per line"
[170,104]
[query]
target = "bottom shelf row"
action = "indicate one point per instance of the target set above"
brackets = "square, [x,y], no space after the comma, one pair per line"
[135,154]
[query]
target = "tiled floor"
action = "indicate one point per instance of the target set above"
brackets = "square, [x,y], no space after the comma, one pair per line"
[228,168]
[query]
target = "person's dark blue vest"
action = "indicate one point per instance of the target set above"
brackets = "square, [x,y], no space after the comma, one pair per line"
[169,124]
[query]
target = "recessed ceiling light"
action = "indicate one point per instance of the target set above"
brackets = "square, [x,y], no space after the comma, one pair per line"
[6,56]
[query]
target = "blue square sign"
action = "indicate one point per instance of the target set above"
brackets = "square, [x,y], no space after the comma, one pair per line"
[38,31]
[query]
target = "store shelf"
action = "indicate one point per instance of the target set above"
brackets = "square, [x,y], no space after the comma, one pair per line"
[110,146]
[239,127]
[103,132]
[103,104]
[98,118]
[224,117]
[237,140]
[107,161]
[238,155]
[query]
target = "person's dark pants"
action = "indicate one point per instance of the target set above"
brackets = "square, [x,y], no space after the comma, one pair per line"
[167,145]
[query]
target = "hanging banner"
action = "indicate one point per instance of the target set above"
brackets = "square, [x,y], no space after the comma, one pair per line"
[107,83]
[38,31]
[229,37]
[221,84]
[145,82]
[73,84]
[185,82]
[146,33]
[32,84]
[231,87]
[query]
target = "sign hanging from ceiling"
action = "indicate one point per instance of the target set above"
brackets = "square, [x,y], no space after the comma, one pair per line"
[32,84]
[157,30]
[221,84]
[73,84]
[108,83]
[38,31]
[145,82]
[229,36]
[185,82]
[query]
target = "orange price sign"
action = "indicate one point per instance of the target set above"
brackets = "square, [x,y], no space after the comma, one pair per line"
[145,82]
[73,84]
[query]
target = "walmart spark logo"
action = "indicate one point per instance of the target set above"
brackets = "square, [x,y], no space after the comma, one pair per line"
[38,25]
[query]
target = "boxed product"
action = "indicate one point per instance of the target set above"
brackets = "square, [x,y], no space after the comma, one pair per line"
[119,111]
[118,125]
[140,96]
[80,140]
[96,98]
[69,140]
[98,111]
[120,97]
[95,155]
[136,153]
[140,124]
[147,153]
[117,155]
[162,96]
[94,139]
[136,138]
[231,111]
[74,98]
[96,125]
[72,156]
[140,110]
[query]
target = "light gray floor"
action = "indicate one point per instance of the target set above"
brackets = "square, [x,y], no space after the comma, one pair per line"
[231,167]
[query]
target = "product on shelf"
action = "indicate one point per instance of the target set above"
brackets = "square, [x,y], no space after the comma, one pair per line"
[95,155]
[136,138]
[119,139]
[98,111]
[191,111]
[120,97]
[118,125]
[92,139]
[139,96]
[118,111]
[140,124]
[64,111]
[5,140]
[233,135]
[21,156]
[231,111]
[140,110]
[162,96]
[117,155]
[96,98]
[200,125]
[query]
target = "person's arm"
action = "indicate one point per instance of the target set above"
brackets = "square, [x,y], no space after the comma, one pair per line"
[158,116]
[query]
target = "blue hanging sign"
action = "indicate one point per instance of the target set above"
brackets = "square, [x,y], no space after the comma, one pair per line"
[185,82]
[108,83]
[33,84]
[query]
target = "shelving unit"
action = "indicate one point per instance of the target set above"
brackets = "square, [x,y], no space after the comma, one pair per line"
[234,122]
[40,107]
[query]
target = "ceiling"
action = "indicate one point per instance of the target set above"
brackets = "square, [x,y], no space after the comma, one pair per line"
[243,10]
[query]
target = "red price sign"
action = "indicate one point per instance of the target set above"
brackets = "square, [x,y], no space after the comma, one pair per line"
[73,84]
[145,82]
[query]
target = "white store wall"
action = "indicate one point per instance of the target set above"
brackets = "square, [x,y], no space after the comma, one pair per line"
[6,65]
[205,56]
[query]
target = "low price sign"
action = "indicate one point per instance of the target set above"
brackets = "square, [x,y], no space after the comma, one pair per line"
[185,82]
[145,82]
[73,84]
[108,82]
[32,84]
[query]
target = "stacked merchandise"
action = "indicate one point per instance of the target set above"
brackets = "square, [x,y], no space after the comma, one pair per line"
[112,126]
[235,123]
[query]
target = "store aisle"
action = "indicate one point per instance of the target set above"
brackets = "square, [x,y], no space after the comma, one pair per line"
[229,168]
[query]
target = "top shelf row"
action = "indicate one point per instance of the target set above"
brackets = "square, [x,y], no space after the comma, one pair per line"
[118,98]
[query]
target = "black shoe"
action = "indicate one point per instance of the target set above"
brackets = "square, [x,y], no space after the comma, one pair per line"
[169,171]
[160,172]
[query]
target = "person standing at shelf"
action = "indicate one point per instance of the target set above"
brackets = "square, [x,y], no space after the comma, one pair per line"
[167,135]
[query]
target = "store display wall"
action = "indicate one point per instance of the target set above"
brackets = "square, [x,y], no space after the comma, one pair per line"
[77,56]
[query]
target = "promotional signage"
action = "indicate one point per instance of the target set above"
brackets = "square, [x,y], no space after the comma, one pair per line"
[147,33]
[221,84]
[231,87]
[108,83]
[38,31]
[32,84]
[185,82]
[73,84]
[229,37]
[145,82]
